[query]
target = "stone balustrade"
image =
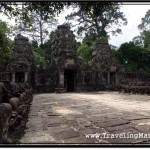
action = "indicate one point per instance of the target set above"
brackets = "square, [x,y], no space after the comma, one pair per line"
[14,106]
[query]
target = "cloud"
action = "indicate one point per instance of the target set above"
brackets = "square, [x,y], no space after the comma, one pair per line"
[133,13]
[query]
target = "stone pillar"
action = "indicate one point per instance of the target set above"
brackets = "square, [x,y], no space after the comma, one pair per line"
[26,77]
[13,77]
[83,80]
[102,79]
[116,78]
[61,79]
[99,78]
[108,78]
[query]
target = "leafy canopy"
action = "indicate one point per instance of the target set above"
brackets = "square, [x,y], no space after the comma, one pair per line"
[5,45]
[97,18]
[133,57]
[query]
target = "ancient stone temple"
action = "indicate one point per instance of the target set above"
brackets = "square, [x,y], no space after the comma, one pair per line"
[103,66]
[71,74]
[21,64]
[67,72]
[101,62]
[64,58]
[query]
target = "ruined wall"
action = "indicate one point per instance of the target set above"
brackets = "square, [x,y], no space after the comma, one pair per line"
[135,82]
[15,101]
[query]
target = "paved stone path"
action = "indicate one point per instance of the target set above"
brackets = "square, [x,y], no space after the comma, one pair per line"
[71,117]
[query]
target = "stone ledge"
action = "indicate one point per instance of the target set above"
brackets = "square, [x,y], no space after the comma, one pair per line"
[60,90]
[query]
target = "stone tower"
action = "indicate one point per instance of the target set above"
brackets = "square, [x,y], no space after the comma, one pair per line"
[101,59]
[64,58]
[21,60]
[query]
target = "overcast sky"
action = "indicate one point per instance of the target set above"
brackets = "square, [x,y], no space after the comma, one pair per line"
[133,13]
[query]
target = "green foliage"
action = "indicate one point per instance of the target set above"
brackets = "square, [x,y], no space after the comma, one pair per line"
[39,59]
[5,45]
[143,40]
[102,39]
[38,55]
[85,52]
[38,28]
[88,40]
[145,29]
[138,41]
[47,48]
[42,54]
[133,57]
[146,38]
[145,22]
[48,8]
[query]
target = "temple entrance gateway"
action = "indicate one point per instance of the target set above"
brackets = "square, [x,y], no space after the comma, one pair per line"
[19,77]
[69,80]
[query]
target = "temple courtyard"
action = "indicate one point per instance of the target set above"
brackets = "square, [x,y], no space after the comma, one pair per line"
[88,118]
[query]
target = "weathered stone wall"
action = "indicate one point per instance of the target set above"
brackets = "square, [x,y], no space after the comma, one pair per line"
[64,48]
[64,56]
[101,62]
[15,101]
[101,56]
[22,54]
[135,83]
[21,62]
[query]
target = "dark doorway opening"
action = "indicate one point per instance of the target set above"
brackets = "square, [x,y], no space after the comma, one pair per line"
[69,79]
[19,77]
[112,78]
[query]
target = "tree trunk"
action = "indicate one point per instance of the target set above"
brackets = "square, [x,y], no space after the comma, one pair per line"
[41,31]
[41,35]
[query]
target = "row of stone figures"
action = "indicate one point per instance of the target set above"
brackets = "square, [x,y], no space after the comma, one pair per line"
[15,101]
[135,87]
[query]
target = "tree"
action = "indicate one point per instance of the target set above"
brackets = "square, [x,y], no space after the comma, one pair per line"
[24,9]
[5,45]
[97,18]
[145,22]
[146,38]
[133,57]
[38,55]
[88,40]
[85,52]
[43,56]
[138,41]
[144,27]
[47,48]
[38,27]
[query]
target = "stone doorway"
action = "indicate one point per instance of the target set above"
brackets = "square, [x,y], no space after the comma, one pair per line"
[69,76]
[19,77]
[112,78]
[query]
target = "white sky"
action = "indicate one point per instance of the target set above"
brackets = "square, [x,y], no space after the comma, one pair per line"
[133,13]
